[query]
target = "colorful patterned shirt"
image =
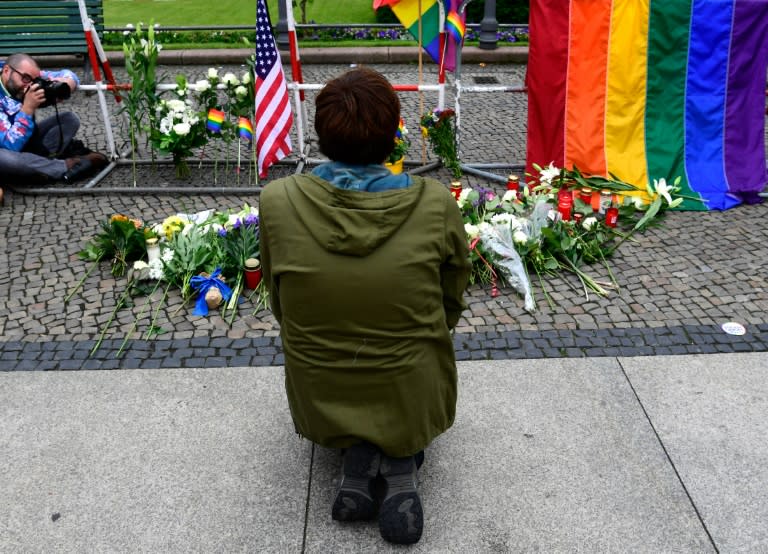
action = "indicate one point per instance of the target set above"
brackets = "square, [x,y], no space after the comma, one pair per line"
[16,127]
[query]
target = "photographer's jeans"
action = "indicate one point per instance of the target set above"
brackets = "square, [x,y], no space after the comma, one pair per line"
[50,137]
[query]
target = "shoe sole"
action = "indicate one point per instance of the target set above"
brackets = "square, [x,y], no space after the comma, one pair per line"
[354,497]
[353,500]
[401,516]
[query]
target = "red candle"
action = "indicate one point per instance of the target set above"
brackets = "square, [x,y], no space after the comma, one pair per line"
[565,204]
[594,201]
[611,216]
[456,189]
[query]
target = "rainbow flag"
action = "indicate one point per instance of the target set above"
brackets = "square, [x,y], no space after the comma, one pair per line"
[215,119]
[650,89]
[245,129]
[407,11]
[454,23]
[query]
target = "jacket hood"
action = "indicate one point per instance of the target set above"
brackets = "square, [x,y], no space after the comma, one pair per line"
[350,222]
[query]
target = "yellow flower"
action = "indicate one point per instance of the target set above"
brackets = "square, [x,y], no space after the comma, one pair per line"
[172,225]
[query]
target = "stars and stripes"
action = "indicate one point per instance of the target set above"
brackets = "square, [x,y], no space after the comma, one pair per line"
[273,109]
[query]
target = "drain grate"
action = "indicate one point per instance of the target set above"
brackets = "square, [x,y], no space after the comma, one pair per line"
[486,80]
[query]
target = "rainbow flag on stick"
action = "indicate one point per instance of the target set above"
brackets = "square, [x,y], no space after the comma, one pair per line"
[407,11]
[652,89]
[454,23]
[245,128]
[215,119]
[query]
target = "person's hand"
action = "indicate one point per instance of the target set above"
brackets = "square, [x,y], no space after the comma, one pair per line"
[34,97]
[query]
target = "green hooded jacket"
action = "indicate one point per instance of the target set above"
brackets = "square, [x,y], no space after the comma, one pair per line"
[366,286]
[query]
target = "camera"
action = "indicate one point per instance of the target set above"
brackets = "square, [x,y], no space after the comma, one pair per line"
[53,90]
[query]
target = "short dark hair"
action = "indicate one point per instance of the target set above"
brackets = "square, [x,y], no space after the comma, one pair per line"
[356,117]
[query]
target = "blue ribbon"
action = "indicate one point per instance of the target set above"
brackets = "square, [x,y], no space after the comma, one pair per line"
[202,284]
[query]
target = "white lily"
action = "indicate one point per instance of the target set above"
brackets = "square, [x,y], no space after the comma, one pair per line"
[663,189]
[548,173]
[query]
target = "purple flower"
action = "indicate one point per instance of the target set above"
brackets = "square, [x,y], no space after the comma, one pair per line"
[238,223]
[222,232]
[251,219]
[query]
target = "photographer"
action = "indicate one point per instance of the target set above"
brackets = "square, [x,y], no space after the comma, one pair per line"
[43,151]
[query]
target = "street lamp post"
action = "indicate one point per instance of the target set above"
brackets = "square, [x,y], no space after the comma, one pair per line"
[282,27]
[489,26]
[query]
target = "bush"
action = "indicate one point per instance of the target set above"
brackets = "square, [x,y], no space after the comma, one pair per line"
[386,15]
[507,11]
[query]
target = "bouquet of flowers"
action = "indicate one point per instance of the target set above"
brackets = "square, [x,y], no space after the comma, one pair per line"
[528,230]
[402,144]
[180,129]
[121,240]
[438,127]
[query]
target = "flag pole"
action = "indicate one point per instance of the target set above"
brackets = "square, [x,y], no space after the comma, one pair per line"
[421,93]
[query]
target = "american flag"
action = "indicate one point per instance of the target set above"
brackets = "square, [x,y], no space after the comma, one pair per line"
[273,108]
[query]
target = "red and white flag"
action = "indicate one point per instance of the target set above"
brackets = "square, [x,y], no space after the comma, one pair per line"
[273,108]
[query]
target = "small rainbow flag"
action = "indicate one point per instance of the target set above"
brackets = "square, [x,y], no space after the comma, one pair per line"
[455,25]
[245,129]
[215,119]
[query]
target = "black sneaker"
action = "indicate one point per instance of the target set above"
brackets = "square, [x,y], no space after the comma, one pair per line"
[75,149]
[401,517]
[354,499]
[85,167]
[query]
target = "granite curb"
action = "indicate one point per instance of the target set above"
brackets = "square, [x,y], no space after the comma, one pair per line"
[55,355]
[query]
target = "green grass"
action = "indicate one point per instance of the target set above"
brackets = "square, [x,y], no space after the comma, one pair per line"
[118,13]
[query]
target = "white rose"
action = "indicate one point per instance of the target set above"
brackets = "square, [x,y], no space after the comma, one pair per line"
[472,230]
[588,222]
[202,85]
[241,91]
[246,78]
[230,79]
[213,73]
[181,129]
[519,237]
[176,105]
[509,196]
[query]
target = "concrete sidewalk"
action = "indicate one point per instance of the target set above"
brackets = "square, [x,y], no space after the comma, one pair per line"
[645,454]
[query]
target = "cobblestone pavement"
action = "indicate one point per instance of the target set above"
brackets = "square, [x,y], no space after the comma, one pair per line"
[678,283]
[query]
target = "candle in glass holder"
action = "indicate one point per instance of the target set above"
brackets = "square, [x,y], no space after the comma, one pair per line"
[153,250]
[513,183]
[611,216]
[456,189]
[586,195]
[594,201]
[565,204]
[606,198]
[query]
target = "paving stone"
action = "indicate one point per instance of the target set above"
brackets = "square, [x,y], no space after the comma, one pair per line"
[673,306]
